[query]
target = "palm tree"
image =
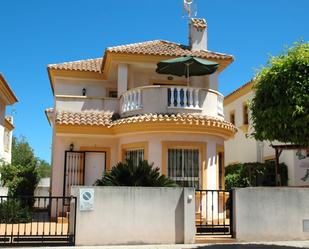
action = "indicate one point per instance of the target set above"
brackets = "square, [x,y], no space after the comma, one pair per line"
[128,174]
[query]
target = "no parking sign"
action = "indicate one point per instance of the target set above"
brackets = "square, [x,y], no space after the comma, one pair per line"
[86,199]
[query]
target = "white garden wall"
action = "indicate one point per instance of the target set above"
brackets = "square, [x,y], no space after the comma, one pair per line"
[136,215]
[269,214]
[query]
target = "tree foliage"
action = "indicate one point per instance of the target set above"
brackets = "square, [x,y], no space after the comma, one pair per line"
[128,174]
[280,108]
[43,168]
[21,176]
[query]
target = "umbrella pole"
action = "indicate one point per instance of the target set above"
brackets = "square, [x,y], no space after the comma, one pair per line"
[188,81]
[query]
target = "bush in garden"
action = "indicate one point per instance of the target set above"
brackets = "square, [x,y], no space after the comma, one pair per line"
[254,174]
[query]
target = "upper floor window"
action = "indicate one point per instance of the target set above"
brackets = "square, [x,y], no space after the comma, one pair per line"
[7,141]
[112,93]
[245,114]
[232,117]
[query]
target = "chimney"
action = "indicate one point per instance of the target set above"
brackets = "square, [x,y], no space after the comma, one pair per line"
[197,34]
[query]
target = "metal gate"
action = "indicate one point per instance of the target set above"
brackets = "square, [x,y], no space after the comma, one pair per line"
[214,212]
[37,221]
[74,170]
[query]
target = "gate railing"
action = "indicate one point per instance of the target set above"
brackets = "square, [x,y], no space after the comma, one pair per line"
[214,214]
[38,221]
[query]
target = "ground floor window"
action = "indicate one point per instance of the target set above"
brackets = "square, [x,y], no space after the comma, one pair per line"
[136,155]
[183,166]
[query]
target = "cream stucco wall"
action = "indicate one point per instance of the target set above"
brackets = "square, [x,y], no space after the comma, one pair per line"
[74,86]
[61,143]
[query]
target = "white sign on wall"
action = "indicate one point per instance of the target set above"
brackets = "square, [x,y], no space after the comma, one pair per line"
[86,199]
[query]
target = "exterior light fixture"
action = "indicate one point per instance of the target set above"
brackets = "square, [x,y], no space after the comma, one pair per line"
[84,91]
[71,147]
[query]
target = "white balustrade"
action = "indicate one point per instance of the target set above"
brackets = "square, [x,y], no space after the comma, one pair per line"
[131,100]
[220,100]
[184,97]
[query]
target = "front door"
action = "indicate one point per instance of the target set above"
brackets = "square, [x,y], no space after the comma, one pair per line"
[94,167]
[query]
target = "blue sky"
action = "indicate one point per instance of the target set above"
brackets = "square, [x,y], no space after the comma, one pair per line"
[35,33]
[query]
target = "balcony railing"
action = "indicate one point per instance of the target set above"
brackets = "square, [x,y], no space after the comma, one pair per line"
[183,97]
[132,100]
[171,99]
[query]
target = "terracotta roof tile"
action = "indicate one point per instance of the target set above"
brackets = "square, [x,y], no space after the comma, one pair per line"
[199,23]
[105,119]
[84,118]
[49,110]
[165,48]
[90,65]
[156,47]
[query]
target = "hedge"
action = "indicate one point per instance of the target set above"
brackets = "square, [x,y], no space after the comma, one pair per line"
[254,174]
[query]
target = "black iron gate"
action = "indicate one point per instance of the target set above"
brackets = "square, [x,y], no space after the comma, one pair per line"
[214,212]
[37,221]
[74,170]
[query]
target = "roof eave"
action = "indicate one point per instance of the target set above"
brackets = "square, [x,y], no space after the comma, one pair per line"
[7,91]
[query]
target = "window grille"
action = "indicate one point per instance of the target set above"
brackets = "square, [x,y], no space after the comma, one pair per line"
[136,155]
[183,167]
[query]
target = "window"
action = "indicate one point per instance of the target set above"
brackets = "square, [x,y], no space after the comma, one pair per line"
[112,93]
[7,140]
[136,155]
[183,166]
[232,118]
[245,114]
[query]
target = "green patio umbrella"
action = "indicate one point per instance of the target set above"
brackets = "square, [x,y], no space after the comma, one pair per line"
[187,66]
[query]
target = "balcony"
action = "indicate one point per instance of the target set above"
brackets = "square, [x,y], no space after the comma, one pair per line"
[149,99]
[171,99]
[85,103]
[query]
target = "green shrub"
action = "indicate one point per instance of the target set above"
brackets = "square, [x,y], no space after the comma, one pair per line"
[128,174]
[12,211]
[254,174]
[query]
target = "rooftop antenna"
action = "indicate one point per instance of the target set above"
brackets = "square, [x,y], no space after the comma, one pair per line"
[189,9]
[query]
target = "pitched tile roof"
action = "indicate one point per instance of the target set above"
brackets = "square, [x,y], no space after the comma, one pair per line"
[6,91]
[199,23]
[165,48]
[242,90]
[105,119]
[156,47]
[90,65]
[84,118]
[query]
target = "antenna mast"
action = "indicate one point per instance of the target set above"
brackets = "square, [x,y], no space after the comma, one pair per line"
[189,9]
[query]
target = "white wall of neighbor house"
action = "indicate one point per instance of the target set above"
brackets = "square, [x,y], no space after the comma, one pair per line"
[136,215]
[271,214]
[241,148]
[2,115]
[7,151]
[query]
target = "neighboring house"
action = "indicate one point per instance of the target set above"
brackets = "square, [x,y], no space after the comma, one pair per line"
[116,107]
[7,97]
[243,148]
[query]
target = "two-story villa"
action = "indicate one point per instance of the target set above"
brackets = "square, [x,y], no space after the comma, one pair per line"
[7,97]
[243,148]
[116,107]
